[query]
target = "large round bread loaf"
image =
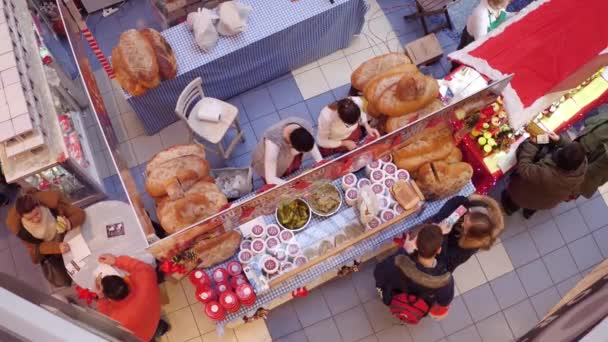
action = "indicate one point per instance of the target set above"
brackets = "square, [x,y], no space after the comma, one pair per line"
[394,123]
[165,58]
[134,63]
[431,144]
[441,179]
[176,175]
[175,152]
[202,200]
[213,251]
[375,66]
[411,93]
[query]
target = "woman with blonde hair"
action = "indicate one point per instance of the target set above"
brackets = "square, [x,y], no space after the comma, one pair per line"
[478,228]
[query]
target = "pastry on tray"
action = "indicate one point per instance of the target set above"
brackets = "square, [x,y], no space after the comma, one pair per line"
[218,249]
[433,143]
[175,152]
[411,93]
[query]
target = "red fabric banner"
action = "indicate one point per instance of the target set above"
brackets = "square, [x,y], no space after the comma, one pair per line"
[547,45]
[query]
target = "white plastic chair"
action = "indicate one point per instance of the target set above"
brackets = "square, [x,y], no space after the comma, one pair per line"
[193,97]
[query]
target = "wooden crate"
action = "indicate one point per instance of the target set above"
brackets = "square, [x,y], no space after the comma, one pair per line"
[425,50]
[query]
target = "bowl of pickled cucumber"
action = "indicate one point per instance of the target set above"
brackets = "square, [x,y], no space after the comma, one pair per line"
[294,215]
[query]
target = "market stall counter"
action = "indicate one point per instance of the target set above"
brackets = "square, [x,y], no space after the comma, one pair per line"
[280,36]
[265,246]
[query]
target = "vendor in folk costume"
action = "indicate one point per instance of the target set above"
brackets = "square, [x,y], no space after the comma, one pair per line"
[280,151]
[487,16]
[594,139]
[341,126]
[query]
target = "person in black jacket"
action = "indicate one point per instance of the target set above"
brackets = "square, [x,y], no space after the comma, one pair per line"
[477,229]
[420,273]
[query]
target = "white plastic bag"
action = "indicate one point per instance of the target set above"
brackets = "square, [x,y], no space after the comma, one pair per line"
[233,17]
[369,205]
[201,23]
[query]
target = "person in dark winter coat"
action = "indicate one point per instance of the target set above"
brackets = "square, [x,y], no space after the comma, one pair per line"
[419,273]
[594,139]
[545,175]
[477,229]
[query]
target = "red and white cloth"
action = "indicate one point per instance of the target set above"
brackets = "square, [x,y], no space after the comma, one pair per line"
[544,44]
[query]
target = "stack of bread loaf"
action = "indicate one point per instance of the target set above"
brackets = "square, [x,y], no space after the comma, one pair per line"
[434,161]
[141,59]
[178,179]
[394,87]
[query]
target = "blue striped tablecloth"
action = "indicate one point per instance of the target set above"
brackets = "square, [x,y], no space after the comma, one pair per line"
[335,262]
[281,36]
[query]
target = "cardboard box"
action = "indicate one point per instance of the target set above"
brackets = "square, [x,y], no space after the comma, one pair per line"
[425,50]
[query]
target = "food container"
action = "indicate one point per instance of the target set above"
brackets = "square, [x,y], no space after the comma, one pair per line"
[229,301]
[286,267]
[379,189]
[373,165]
[258,246]
[236,281]
[272,243]
[351,196]
[286,236]
[300,260]
[222,287]
[233,182]
[363,182]
[245,256]
[348,181]
[403,175]
[398,209]
[199,278]
[390,169]
[389,181]
[385,203]
[280,255]
[220,274]
[276,216]
[273,230]
[246,245]
[329,187]
[245,294]
[258,232]
[205,294]
[387,215]
[234,268]
[387,159]
[293,250]
[215,311]
[373,223]
[377,176]
[270,266]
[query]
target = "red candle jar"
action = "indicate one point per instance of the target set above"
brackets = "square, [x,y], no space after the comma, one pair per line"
[199,278]
[246,294]
[205,294]
[238,280]
[220,275]
[234,268]
[215,311]
[229,301]
[222,287]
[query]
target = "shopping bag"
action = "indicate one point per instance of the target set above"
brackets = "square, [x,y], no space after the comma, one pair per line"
[232,17]
[201,23]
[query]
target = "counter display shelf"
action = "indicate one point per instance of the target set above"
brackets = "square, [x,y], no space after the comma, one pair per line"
[64,161]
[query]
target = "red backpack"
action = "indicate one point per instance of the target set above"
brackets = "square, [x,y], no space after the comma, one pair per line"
[409,308]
